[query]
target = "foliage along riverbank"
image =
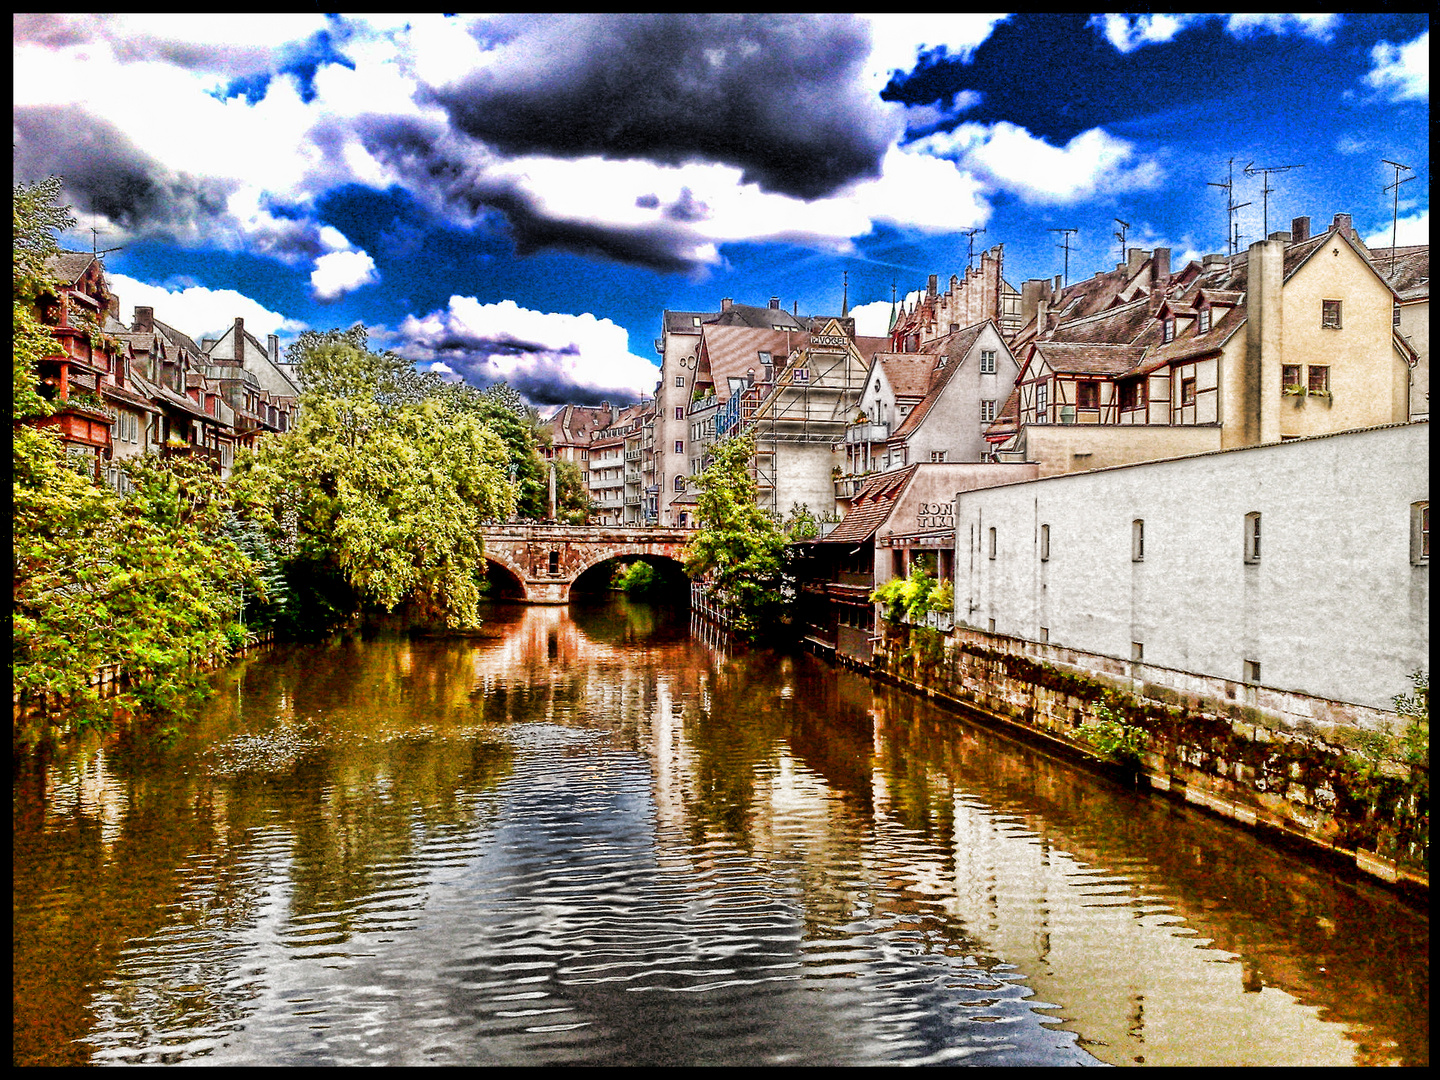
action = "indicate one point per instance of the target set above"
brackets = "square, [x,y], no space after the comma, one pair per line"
[370,504]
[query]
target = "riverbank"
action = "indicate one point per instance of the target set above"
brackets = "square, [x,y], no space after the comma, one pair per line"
[1290,769]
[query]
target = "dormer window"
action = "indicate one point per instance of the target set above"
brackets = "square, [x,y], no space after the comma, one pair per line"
[1203,320]
[1168,323]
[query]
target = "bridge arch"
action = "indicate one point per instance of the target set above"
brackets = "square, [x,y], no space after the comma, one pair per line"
[548,559]
[594,576]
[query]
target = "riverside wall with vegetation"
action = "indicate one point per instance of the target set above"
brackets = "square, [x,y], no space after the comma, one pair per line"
[1349,783]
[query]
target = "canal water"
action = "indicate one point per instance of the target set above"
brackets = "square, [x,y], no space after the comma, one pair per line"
[588,836]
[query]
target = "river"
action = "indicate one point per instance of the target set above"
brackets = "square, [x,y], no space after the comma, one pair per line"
[588,836]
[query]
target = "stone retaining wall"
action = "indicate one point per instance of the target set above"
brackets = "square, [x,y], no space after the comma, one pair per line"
[1275,761]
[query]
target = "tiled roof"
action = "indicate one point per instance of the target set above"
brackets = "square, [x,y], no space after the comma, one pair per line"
[1190,344]
[1090,359]
[907,373]
[128,396]
[955,347]
[68,266]
[683,322]
[758,318]
[872,506]
[1408,273]
[1117,325]
[177,337]
[730,351]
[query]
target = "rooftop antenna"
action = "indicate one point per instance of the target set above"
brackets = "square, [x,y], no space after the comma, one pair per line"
[1121,234]
[1395,212]
[1265,188]
[95,244]
[1066,234]
[1230,206]
[970,257]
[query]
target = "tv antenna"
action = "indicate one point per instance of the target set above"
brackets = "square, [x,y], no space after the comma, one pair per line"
[1232,230]
[1395,211]
[1265,188]
[970,256]
[1124,225]
[95,244]
[1065,246]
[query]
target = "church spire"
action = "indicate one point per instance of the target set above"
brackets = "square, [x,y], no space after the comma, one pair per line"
[845,303]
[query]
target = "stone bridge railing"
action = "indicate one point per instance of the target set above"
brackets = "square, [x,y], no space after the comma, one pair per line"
[547,559]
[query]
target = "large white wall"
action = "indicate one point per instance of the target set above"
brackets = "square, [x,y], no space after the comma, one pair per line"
[1335,607]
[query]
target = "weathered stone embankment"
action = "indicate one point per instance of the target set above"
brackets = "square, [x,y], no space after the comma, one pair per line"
[1299,769]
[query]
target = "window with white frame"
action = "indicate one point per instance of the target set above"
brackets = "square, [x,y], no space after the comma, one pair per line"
[987,411]
[679,412]
[1252,537]
[679,446]
[1420,533]
[987,361]
[679,380]
[1044,543]
[937,455]
[993,542]
[1042,402]
[1202,320]
[1137,540]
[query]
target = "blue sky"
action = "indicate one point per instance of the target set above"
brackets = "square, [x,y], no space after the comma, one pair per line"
[519,196]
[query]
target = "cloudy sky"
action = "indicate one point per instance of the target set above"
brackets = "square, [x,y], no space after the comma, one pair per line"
[519,197]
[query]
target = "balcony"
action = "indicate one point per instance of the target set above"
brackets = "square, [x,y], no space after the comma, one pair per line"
[867,432]
[847,487]
[632,455]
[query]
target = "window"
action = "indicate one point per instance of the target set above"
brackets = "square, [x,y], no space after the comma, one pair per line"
[680,446]
[1252,537]
[684,519]
[1330,314]
[679,412]
[1132,395]
[937,455]
[1395,315]
[1042,402]
[1289,376]
[987,411]
[1089,395]
[1169,325]
[1252,671]
[1044,634]
[680,484]
[554,562]
[1202,321]
[992,543]
[1137,540]
[1137,650]
[764,358]
[1044,543]
[1187,391]
[1319,382]
[992,626]
[1420,533]
[987,361]
[679,380]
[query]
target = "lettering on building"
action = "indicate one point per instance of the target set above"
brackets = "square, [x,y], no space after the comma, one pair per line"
[936,515]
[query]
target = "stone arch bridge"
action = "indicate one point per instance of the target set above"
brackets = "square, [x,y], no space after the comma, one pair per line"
[546,560]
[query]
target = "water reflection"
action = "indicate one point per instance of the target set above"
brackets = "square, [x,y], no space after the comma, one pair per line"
[586,837]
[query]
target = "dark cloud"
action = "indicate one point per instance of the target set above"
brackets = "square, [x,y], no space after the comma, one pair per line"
[107,174]
[432,162]
[779,96]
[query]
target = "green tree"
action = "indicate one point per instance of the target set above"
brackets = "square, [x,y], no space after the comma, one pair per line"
[571,495]
[381,490]
[147,582]
[739,547]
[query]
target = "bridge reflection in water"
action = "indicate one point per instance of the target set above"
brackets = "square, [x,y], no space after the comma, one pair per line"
[586,837]
[541,563]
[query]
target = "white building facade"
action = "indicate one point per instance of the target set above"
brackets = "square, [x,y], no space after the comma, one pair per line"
[1302,566]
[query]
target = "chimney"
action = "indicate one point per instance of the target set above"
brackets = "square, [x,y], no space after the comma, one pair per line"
[1030,294]
[272,343]
[774,303]
[933,285]
[239,338]
[1343,226]
[144,320]
[1283,237]
[1058,285]
[1260,381]
[725,303]
[1134,257]
[1300,229]
[795,310]
[1042,314]
[1160,266]
[1215,262]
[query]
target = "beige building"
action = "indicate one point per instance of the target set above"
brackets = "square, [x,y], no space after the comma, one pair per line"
[1301,566]
[1294,337]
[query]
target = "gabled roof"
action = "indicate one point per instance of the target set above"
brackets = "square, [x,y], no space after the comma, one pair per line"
[907,373]
[1116,325]
[683,322]
[729,351]
[1408,272]
[954,348]
[872,506]
[1089,359]
[68,267]
[178,337]
[757,318]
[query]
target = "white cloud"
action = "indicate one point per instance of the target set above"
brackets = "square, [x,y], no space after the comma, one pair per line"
[1130,32]
[1009,156]
[872,319]
[198,311]
[1402,72]
[340,272]
[1410,229]
[898,40]
[532,350]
